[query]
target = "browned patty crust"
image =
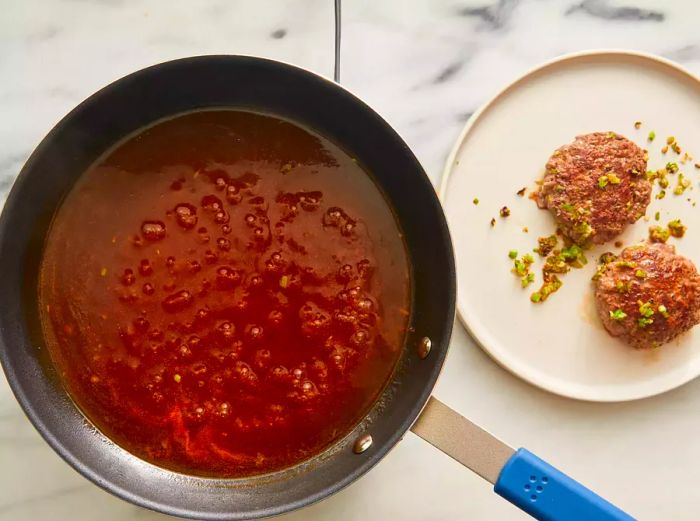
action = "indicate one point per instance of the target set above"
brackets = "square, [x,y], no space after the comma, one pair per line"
[596,186]
[648,295]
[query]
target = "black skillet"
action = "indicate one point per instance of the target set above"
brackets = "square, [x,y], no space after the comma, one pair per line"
[282,90]
[137,101]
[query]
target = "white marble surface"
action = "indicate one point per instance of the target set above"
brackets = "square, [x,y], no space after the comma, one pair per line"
[425,65]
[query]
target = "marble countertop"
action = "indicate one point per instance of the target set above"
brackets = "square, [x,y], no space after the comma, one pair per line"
[425,65]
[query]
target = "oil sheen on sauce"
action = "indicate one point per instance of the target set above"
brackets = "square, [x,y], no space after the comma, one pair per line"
[225,293]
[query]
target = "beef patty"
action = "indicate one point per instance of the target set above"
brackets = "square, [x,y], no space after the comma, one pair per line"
[596,186]
[648,295]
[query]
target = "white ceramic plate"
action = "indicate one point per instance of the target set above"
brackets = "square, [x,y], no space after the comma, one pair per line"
[560,345]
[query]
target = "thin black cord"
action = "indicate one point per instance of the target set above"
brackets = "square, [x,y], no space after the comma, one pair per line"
[336,70]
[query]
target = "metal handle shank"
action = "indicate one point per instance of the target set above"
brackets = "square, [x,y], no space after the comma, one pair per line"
[459,438]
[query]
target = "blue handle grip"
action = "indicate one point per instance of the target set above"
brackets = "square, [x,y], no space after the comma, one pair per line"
[539,489]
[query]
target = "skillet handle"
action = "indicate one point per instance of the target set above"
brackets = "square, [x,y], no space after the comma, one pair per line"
[517,475]
[336,66]
[547,494]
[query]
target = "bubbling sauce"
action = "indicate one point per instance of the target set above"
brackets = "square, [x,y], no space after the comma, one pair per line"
[225,293]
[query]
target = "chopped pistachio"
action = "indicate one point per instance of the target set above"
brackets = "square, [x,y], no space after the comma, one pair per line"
[618,315]
[676,148]
[536,297]
[546,245]
[670,140]
[682,186]
[661,194]
[644,322]
[580,261]
[600,269]
[612,135]
[584,230]
[527,280]
[626,264]
[521,267]
[602,181]
[550,287]
[640,274]
[623,287]
[568,207]
[606,258]
[284,281]
[177,378]
[657,216]
[603,261]
[572,253]
[663,182]
[651,136]
[663,311]
[475,200]
[613,179]
[672,167]
[513,254]
[555,264]
[658,234]
[646,309]
[677,228]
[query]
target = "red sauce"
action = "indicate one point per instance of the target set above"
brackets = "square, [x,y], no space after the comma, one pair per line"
[225,293]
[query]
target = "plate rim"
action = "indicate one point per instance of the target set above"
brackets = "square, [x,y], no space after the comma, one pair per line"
[442,191]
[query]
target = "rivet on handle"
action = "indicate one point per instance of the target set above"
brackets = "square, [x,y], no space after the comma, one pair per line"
[362,443]
[424,347]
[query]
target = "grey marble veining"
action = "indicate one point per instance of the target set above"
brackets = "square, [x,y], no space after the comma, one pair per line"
[425,66]
[603,9]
